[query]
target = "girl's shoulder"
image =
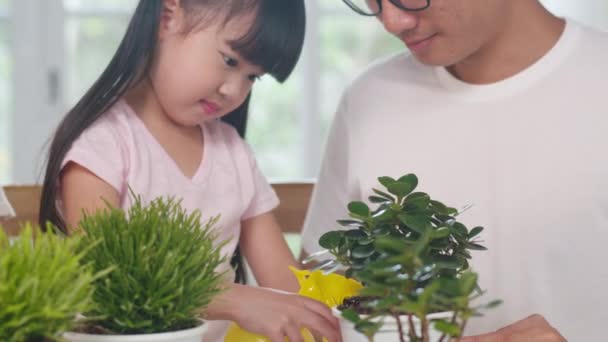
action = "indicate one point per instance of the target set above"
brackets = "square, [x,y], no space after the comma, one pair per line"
[116,119]
[117,123]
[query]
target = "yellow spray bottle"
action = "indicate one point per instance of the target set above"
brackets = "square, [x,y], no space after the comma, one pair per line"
[330,289]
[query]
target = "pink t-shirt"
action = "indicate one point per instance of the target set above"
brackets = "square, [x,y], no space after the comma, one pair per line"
[119,149]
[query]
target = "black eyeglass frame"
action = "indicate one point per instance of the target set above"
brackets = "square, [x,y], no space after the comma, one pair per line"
[396,3]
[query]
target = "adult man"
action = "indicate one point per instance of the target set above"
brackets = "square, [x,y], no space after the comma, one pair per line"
[500,105]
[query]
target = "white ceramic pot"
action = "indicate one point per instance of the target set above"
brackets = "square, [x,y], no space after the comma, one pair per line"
[190,335]
[389,331]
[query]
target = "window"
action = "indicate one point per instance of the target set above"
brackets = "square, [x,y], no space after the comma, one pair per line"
[51,51]
[93,30]
[288,131]
[5,90]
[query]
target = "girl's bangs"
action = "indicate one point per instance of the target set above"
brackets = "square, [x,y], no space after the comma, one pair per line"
[274,41]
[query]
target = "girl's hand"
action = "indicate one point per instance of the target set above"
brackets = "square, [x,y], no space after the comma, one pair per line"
[275,315]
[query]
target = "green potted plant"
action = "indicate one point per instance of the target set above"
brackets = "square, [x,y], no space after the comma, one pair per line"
[411,254]
[43,285]
[164,263]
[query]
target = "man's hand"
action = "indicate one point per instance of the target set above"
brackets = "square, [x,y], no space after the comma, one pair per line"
[533,328]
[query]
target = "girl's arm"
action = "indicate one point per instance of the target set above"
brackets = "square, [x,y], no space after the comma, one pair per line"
[83,190]
[267,253]
[272,314]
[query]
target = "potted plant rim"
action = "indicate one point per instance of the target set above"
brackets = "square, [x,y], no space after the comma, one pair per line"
[163,264]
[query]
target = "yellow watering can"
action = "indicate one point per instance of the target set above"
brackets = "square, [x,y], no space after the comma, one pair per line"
[330,289]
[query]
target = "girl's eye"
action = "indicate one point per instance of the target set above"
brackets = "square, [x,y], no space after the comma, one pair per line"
[231,62]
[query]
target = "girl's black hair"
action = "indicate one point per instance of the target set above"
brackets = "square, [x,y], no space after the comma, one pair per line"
[273,42]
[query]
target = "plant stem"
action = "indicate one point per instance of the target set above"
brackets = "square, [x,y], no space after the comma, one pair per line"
[399,327]
[462,326]
[424,327]
[453,320]
[412,332]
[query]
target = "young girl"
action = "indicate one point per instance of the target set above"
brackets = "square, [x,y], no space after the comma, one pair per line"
[150,124]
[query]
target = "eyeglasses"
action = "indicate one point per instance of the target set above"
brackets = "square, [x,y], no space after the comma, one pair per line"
[374,7]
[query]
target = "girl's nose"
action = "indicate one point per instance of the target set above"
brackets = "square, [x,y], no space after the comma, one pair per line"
[233,87]
[396,20]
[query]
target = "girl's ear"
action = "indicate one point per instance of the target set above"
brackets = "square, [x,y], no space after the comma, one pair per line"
[171,19]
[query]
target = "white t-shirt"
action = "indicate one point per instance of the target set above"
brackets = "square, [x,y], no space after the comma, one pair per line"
[529,154]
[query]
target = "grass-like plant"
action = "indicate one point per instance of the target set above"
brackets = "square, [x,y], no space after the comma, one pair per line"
[164,264]
[42,285]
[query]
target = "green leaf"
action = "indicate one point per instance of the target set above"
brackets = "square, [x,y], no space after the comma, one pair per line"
[368,328]
[417,223]
[386,302]
[372,291]
[476,247]
[362,252]
[449,262]
[451,329]
[460,230]
[351,315]
[440,244]
[365,241]
[386,181]
[444,218]
[493,304]
[381,231]
[355,234]
[359,208]
[452,211]
[389,245]
[475,231]
[384,214]
[428,292]
[419,200]
[440,233]
[411,308]
[410,178]
[400,189]
[440,207]
[331,240]
[383,194]
[468,282]
[378,199]
[350,223]
[450,287]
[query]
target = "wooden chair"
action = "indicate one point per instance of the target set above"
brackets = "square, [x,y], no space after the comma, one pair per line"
[290,213]
[294,198]
[25,199]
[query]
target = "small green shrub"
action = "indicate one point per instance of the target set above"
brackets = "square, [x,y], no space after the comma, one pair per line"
[164,266]
[42,285]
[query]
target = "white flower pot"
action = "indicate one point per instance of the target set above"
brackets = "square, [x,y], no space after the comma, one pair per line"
[389,331]
[190,335]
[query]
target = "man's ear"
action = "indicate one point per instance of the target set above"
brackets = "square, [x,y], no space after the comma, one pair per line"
[171,19]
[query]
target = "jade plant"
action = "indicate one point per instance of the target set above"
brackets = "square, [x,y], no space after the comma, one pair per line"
[43,285]
[164,267]
[412,256]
